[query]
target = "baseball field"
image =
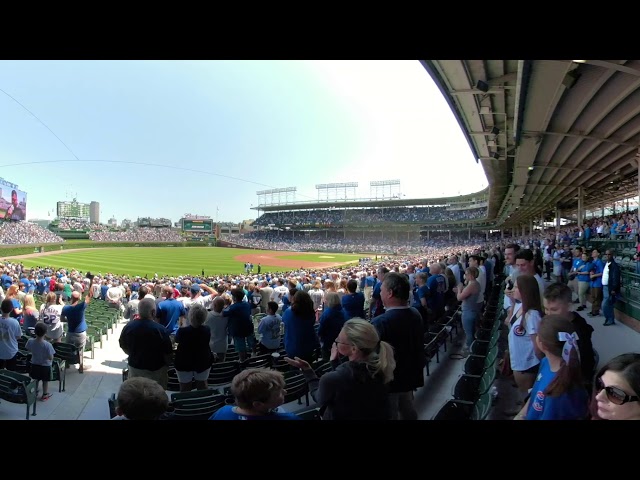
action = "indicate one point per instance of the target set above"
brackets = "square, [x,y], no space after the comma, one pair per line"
[148,261]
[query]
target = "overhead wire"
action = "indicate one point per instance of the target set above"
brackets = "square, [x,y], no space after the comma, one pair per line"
[38,119]
[77,159]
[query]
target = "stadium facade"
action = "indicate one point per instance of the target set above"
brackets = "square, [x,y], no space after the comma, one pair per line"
[387,218]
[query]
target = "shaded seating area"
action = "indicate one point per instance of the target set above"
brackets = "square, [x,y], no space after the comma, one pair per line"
[472,398]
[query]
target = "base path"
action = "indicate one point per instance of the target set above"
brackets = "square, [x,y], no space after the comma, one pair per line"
[47,254]
[273,258]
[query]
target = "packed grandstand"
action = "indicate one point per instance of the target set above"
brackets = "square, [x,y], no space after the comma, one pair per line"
[423,257]
[331,293]
[384,227]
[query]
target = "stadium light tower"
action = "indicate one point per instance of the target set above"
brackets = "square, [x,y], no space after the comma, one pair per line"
[336,191]
[384,188]
[276,196]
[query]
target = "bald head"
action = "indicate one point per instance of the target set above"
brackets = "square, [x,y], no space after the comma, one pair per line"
[435,269]
[75,296]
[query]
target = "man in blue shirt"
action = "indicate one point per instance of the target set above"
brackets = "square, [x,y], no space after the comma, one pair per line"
[377,306]
[73,314]
[6,281]
[170,311]
[41,285]
[437,287]
[597,268]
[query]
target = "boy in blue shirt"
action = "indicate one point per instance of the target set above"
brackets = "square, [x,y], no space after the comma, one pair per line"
[259,392]
[41,358]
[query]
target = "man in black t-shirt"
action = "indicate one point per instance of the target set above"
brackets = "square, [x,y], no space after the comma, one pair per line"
[148,345]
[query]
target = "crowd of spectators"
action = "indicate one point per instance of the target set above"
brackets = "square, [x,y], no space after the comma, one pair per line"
[373,242]
[329,293]
[335,217]
[82,225]
[138,235]
[24,233]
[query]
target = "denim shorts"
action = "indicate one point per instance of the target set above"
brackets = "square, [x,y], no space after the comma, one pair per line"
[186,377]
[243,344]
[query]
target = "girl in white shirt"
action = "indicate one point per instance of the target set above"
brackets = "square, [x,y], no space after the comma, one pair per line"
[524,353]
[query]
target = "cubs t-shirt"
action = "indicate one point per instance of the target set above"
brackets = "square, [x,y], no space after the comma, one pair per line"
[228,412]
[521,350]
[10,332]
[572,405]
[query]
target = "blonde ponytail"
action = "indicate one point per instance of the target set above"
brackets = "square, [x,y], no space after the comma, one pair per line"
[386,362]
[377,356]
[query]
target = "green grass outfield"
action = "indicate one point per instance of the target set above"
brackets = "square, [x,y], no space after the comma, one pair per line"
[171,261]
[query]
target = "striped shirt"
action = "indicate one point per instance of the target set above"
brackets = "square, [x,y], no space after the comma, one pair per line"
[521,351]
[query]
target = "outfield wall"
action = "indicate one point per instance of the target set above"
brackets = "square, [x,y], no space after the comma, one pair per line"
[11,250]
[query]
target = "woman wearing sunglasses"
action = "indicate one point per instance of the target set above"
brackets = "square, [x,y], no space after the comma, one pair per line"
[558,392]
[357,388]
[617,389]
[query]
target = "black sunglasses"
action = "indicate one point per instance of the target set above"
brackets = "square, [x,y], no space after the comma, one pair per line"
[616,395]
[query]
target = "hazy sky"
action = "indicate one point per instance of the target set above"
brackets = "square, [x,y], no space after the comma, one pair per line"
[163,138]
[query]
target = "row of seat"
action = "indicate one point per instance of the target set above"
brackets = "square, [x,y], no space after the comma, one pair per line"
[201,404]
[19,388]
[437,336]
[471,398]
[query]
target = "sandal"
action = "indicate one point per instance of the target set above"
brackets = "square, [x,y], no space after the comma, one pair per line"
[46,397]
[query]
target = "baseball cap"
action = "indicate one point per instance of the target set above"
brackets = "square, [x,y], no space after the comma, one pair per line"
[195,288]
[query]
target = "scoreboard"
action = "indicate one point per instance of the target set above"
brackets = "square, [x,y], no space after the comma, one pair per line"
[189,225]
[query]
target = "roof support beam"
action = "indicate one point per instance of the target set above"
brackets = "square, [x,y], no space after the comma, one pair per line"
[614,66]
[579,135]
[475,91]
[501,80]
[522,85]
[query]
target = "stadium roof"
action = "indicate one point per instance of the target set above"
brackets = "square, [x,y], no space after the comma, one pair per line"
[372,202]
[543,129]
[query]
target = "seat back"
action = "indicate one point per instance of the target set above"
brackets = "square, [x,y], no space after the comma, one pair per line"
[17,388]
[197,409]
[223,373]
[67,351]
[310,414]
[260,361]
[173,385]
[295,385]
[194,394]
[113,403]
[482,407]
[321,368]
[486,380]
[454,410]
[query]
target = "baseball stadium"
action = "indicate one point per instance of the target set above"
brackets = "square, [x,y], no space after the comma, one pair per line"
[559,142]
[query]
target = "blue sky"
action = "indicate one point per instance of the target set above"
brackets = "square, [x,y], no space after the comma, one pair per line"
[162,138]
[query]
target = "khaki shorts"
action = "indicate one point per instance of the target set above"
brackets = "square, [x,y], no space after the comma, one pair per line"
[77,339]
[161,375]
